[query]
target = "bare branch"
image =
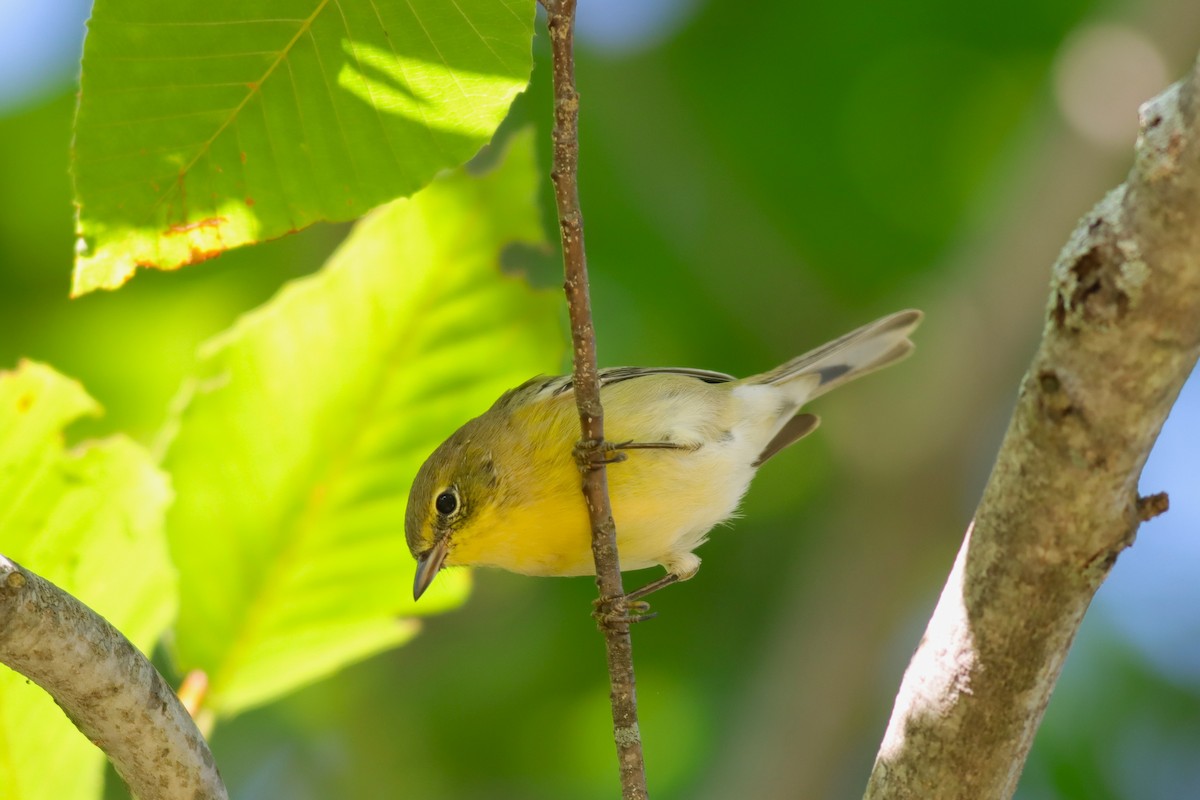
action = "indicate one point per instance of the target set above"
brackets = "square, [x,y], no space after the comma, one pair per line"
[1120,339]
[107,688]
[612,610]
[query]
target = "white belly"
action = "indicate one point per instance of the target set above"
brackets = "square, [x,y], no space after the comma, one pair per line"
[657,525]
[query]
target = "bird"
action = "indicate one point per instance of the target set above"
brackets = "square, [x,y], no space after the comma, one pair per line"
[504,490]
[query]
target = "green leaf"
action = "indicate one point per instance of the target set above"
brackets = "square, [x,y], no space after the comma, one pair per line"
[307,421]
[205,126]
[89,519]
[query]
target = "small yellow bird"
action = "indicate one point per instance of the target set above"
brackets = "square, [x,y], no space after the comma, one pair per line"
[504,489]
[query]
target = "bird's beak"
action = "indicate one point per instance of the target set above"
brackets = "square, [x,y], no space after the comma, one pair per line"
[428,566]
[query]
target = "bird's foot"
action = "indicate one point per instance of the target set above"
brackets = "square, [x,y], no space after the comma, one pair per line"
[611,611]
[590,454]
[631,607]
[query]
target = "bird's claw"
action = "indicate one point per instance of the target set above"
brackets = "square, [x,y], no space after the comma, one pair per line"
[590,454]
[610,611]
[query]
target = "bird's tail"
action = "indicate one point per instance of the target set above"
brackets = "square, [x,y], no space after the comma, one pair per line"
[871,347]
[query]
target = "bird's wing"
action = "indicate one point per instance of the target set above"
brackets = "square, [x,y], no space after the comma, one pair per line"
[611,375]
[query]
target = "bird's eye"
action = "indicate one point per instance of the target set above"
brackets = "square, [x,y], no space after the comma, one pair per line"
[446,503]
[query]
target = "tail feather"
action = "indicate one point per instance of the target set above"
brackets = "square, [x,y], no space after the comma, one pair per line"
[871,347]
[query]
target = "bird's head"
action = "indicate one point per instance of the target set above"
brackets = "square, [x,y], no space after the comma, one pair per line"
[451,489]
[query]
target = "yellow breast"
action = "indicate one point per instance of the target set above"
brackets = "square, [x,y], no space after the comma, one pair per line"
[664,501]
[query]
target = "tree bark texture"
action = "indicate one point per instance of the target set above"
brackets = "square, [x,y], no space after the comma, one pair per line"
[107,688]
[1121,335]
[612,610]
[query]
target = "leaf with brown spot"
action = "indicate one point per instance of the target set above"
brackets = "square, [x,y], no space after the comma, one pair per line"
[316,109]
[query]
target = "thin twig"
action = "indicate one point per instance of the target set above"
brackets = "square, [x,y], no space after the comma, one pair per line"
[1061,504]
[108,689]
[612,610]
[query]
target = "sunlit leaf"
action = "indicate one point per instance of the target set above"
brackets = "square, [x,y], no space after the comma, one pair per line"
[89,519]
[306,422]
[205,126]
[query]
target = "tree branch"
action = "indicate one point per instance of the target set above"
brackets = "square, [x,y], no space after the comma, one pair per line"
[1119,341]
[612,609]
[107,688]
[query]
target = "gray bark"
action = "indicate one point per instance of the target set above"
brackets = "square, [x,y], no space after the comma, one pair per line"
[107,688]
[1122,334]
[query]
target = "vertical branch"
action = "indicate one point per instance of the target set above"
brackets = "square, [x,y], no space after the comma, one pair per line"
[612,609]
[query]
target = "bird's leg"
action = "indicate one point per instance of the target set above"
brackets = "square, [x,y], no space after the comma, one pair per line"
[654,446]
[653,586]
[680,567]
[610,452]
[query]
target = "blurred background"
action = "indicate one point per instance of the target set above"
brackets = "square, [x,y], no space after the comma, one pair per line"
[756,179]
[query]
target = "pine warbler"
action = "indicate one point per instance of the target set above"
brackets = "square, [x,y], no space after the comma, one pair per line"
[504,489]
